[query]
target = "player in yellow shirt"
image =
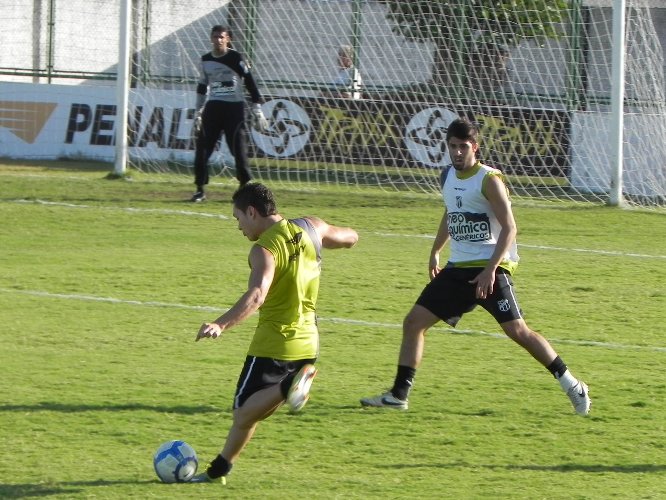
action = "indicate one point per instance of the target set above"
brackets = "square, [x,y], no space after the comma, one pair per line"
[283,285]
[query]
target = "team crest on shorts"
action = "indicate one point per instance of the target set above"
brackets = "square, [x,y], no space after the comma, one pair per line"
[503,305]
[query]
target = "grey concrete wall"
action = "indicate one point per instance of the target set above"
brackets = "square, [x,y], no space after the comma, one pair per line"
[296,41]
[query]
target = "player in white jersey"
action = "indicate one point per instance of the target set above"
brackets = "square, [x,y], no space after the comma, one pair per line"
[479,224]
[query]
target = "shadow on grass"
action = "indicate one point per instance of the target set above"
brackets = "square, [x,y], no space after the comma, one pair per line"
[590,468]
[77,408]
[65,488]
[626,469]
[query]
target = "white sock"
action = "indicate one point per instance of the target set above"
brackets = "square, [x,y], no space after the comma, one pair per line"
[567,380]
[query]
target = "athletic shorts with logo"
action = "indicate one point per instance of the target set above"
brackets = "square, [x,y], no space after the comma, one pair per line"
[450,295]
[260,373]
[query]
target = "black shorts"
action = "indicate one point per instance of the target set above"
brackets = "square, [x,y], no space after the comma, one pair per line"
[450,295]
[260,373]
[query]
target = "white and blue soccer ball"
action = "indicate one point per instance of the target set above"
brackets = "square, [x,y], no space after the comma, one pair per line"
[175,462]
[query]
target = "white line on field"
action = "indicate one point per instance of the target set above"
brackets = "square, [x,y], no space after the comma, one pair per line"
[602,252]
[126,209]
[538,247]
[385,235]
[348,321]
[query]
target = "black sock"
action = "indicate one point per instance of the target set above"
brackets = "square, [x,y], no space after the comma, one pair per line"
[404,380]
[557,367]
[218,467]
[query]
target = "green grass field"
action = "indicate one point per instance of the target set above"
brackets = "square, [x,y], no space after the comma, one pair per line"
[104,284]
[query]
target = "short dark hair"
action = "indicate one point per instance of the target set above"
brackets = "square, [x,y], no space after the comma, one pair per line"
[255,194]
[218,28]
[462,128]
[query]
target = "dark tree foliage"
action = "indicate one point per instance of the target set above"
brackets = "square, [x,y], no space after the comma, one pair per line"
[472,38]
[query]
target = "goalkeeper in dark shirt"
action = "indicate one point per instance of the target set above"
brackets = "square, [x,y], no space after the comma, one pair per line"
[220,108]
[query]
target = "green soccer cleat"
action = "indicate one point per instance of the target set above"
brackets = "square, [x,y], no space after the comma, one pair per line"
[205,478]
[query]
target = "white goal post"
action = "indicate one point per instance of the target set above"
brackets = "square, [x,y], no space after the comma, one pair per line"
[566,110]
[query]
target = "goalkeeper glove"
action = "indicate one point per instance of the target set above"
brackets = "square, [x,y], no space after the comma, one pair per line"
[258,119]
[197,124]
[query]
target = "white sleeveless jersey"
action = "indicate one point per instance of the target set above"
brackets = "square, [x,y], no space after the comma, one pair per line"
[472,225]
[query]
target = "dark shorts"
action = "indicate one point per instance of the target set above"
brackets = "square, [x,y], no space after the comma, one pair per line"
[260,373]
[450,295]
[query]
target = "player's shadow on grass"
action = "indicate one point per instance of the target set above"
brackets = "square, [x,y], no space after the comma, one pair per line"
[78,408]
[593,468]
[64,488]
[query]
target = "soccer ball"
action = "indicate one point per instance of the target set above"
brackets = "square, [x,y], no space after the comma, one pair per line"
[175,462]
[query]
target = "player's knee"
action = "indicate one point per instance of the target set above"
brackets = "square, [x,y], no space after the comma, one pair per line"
[416,322]
[519,332]
[409,324]
[244,420]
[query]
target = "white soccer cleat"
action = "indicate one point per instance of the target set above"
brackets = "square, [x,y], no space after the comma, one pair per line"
[299,392]
[386,400]
[580,398]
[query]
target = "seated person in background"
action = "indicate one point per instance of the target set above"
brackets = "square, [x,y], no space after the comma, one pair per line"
[348,82]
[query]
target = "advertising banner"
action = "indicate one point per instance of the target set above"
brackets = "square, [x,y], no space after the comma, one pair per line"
[520,141]
[61,121]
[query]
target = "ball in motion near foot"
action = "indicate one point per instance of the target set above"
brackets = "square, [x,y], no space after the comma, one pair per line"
[175,462]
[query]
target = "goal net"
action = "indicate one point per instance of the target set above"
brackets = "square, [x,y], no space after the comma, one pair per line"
[535,75]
